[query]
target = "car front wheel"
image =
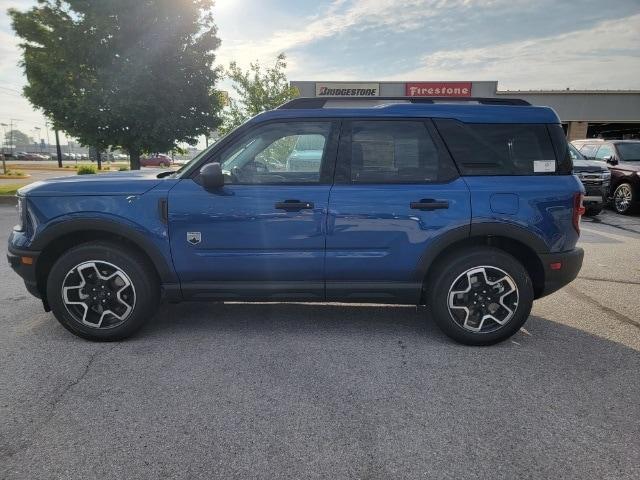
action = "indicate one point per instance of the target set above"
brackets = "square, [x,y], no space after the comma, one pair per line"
[103,292]
[480,296]
[624,198]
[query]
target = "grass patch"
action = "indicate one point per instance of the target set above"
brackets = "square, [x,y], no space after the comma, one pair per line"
[87,170]
[9,189]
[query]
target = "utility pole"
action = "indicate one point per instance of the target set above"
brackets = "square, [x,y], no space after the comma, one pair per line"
[58,149]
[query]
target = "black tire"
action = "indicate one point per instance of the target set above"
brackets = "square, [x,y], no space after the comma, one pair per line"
[451,270]
[143,296]
[593,211]
[628,206]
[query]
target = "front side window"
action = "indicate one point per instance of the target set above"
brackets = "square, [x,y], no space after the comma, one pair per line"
[287,152]
[392,152]
[499,149]
[605,151]
[629,152]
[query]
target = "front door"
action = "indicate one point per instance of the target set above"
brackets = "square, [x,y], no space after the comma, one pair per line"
[396,192]
[261,236]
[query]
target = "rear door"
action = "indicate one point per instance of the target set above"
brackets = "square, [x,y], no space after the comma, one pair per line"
[261,236]
[396,191]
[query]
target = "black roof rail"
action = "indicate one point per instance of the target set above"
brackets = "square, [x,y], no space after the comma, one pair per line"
[319,102]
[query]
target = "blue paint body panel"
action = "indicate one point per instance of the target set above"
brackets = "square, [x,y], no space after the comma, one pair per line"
[244,237]
[374,236]
[545,206]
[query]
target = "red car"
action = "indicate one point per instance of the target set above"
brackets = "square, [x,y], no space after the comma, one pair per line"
[157,160]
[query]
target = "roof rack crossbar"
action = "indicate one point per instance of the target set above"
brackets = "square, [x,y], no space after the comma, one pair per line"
[319,102]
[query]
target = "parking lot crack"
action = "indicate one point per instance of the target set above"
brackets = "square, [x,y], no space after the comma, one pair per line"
[53,404]
[592,301]
[597,279]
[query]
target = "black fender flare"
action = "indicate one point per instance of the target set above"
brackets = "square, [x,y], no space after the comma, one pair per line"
[477,230]
[134,233]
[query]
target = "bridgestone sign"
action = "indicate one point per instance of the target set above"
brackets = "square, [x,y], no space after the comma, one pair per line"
[347,89]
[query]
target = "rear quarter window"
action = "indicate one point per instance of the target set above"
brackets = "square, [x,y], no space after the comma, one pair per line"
[502,149]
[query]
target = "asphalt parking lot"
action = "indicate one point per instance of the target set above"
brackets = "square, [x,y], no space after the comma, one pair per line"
[332,391]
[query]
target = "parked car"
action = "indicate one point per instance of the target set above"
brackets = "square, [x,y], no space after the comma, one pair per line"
[470,208]
[157,160]
[595,178]
[623,159]
[28,156]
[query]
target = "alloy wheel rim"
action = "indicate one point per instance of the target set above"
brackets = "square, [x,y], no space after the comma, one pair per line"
[483,299]
[623,198]
[98,294]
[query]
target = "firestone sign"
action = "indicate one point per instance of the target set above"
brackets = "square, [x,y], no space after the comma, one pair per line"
[347,89]
[438,89]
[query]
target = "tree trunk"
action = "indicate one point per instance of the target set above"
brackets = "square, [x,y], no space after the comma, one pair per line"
[99,158]
[134,155]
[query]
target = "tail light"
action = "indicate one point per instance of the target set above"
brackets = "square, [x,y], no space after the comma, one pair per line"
[578,210]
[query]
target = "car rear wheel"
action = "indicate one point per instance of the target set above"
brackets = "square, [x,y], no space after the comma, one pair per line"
[624,198]
[164,165]
[480,296]
[100,291]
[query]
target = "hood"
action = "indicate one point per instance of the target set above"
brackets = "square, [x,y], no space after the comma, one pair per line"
[633,166]
[580,165]
[116,183]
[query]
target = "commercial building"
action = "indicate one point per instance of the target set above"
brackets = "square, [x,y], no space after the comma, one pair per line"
[584,113]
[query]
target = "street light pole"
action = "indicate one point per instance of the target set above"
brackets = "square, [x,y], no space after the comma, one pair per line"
[11,120]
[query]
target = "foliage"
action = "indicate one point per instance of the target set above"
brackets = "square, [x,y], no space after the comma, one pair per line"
[123,169]
[14,173]
[87,169]
[257,91]
[16,137]
[10,188]
[115,73]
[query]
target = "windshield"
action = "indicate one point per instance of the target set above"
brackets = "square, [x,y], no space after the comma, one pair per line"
[629,152]
[575,154]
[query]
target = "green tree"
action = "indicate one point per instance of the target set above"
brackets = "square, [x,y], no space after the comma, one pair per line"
[257,91]
[16,137]
[137,75]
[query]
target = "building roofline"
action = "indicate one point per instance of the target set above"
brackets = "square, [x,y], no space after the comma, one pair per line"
[563,92]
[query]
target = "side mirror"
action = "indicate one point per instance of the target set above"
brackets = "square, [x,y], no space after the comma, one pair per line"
[211,176]
[610,160]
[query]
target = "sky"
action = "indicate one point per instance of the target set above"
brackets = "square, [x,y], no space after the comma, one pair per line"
[523,44]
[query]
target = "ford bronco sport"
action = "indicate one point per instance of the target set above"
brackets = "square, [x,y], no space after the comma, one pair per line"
[468,207]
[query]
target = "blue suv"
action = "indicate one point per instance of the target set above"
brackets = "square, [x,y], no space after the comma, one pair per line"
[468,207]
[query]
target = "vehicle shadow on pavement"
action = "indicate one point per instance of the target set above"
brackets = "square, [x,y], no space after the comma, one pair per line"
[201,318]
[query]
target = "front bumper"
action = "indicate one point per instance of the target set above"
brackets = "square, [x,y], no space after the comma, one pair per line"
[26,270]
[569,264]
[595,195]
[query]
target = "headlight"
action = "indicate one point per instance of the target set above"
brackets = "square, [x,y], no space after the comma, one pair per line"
[22,212]
[606,174]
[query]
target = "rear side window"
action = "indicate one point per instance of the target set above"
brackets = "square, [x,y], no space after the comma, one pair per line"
[394,152]
[499,149]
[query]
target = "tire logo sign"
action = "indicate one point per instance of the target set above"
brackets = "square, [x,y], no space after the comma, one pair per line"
[194,238]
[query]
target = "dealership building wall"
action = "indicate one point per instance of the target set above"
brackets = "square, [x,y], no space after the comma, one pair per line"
[584,113]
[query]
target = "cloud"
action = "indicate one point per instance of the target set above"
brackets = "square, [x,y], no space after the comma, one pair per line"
[591,58]
[356,15]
